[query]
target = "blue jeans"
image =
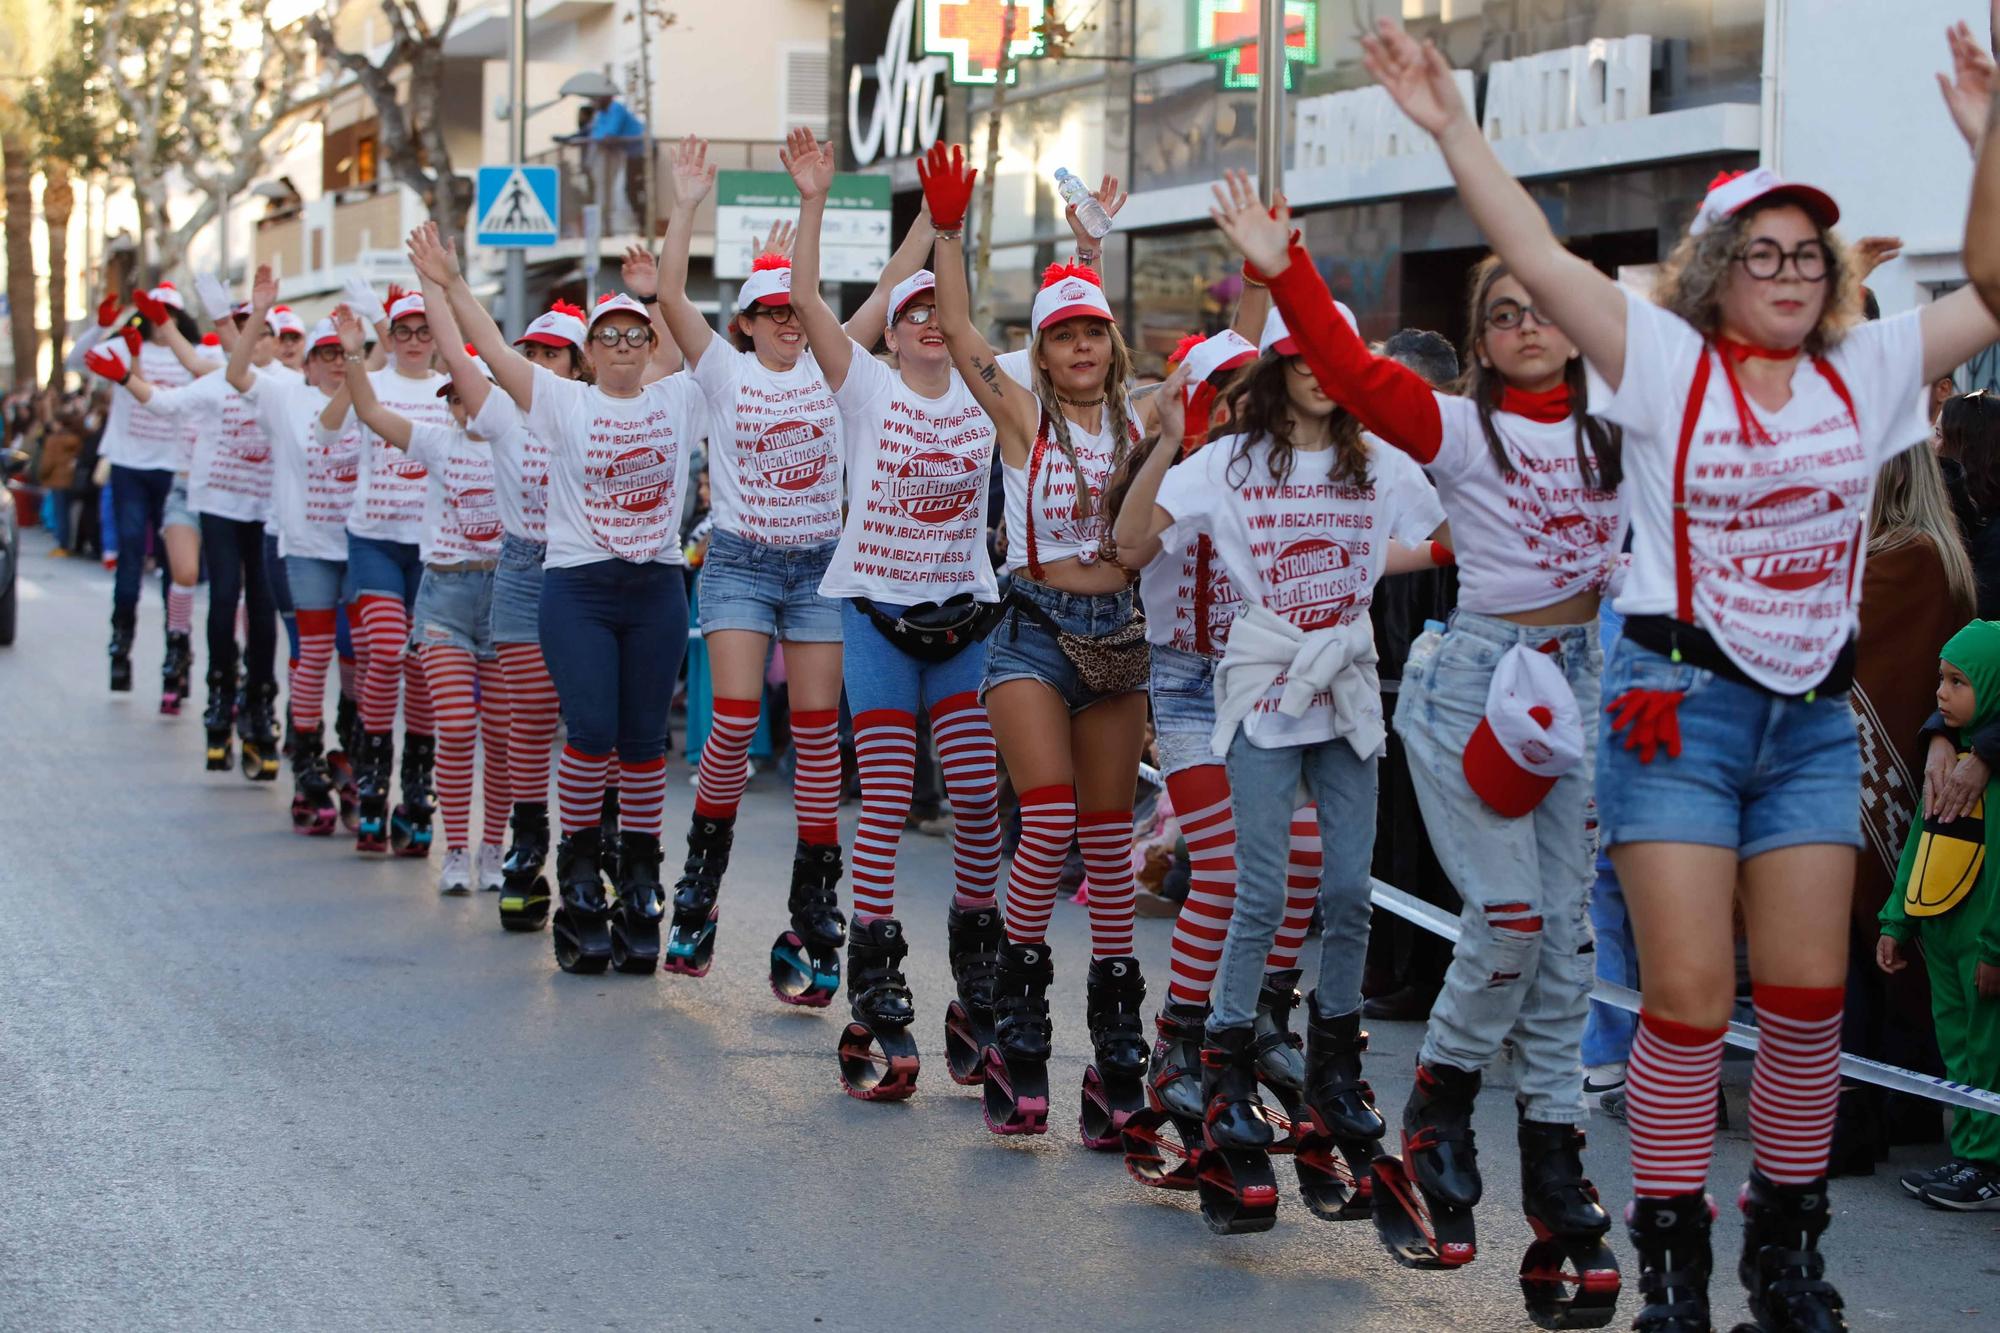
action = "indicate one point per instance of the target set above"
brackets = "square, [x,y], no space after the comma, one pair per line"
[881,675]
[1608,1032]
[1183,692]
[385,569]
[517,591]
[235,552]
[455,610]
[1264,788]
[1757,772]
[281,589]
[769,590]
[138,503]
[1522,966]
[613,635]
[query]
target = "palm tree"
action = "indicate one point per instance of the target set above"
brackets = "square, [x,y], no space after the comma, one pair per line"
[58,201]
[17,172]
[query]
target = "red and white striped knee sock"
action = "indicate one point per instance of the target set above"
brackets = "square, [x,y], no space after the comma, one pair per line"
[1105,839]
[418,715]
[724,770]
[385,627]
[1302,872]
[496,787]
[451,674]
[968,764]
[816,780]
[1048,825]
[180,609]
[1208,824]
[1795,1080]
[580,788]
[642,796]
[1670,1088]
[308,692]
[533,713]
[885,750]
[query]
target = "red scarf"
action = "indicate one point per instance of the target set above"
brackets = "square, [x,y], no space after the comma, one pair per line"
[1733,354]
[1548,407]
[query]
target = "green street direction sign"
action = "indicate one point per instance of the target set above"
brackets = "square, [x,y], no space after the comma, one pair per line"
[854,242]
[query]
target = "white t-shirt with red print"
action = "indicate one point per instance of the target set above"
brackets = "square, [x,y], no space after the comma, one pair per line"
[618,467]
[1178,590]
[776,479]
[1309,548]
[313,479]
[389,502]
[1529,538]
[462,509]
[520,467]
[150,441]
[1777,529]
[230,476]
[1059,534]
[917,471]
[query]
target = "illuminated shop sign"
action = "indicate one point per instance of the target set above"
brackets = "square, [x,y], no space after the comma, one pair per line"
[1218,22]
[969,33]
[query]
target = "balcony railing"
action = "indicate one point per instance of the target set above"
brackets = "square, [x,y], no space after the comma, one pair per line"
[363,228]
[619,172]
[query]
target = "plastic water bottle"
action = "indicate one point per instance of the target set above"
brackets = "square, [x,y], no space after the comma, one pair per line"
[1088,211]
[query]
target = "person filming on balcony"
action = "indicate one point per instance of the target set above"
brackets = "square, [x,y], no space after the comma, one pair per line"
[613,137]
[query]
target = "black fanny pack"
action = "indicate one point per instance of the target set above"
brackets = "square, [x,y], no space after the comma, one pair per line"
[935,631]
[1682,642]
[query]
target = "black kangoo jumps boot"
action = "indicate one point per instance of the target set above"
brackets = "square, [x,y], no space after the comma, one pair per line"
[1670,1237]
[878,1058]
[1016,1087]
[1569,1277]
[973,936]
[691,938]
[642,905]
[805,959]
[1114,1083]
[524,892]
[1782,1269]
[582,933]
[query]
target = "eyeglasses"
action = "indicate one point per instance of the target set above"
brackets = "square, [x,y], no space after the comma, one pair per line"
[636,337]
[1507,314]
[917,314]
[403,333]
[777,314]
[326,354]
[1766,259]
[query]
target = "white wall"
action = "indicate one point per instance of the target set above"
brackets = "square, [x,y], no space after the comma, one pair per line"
[1858,114]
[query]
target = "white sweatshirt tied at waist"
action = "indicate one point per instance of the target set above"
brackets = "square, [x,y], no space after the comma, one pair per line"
[1340,659]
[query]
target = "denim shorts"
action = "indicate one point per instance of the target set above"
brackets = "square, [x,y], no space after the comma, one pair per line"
[1183,693]
[384,568]
[1022,648]
[517,591]
[178,513]
[772,590]
[455,610]
[317,585]
[1756,772]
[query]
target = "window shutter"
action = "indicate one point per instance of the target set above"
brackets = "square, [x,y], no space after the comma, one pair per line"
[805,80]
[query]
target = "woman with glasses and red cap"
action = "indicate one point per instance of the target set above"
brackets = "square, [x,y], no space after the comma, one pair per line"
[384,569]
[1756,415]
[775,487]
[614,600]
[916,592]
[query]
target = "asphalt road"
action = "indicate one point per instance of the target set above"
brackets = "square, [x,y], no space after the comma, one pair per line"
[249,1080]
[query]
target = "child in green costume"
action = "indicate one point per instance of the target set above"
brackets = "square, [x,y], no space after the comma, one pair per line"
[1947,899]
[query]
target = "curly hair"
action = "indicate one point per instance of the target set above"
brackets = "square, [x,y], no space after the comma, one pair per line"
[1117,411]
[1260,408]
[1692,279]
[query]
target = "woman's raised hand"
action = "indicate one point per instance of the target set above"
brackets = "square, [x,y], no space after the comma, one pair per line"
[693,174]
[1263,235]
[809,162]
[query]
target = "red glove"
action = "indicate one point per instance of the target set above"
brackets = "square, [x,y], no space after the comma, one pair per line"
[152,311]
[133,340]
[107,310]
[1650,720]
[947,185]
[110,360]
[396,293]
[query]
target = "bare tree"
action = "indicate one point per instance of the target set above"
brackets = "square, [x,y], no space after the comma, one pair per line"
[410,128]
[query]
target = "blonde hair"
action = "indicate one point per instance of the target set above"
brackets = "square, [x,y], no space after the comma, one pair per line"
[1117,412]
[1911,503]
[1692,280]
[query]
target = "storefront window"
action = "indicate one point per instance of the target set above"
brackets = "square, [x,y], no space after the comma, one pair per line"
[1186,129]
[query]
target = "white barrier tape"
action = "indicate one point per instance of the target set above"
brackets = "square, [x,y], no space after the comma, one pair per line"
[1440,922]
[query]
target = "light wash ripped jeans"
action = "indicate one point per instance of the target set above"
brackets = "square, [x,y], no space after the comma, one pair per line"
[1525,957]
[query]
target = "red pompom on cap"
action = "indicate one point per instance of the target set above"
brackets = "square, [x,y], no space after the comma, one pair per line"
[765,263]
[1055,273]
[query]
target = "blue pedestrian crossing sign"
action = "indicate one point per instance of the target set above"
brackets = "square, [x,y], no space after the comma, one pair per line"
[517,206]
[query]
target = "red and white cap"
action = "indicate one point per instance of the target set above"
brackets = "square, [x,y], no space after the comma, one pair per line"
[1070,291]
[1277,338]
[409,303]
[1733,191]
[923,280]
[167,296]
[1531,735]
[612,303]
[323,335]
[561,325]
[477,360]
[770,282]
[1211,356]
[282,321]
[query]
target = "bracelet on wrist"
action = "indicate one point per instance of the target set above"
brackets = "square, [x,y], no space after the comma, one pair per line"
[949,233]
[651,298]
[1087,257]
